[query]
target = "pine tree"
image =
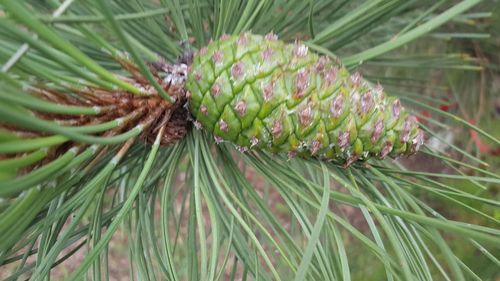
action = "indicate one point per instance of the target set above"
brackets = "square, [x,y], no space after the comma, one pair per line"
[173,125]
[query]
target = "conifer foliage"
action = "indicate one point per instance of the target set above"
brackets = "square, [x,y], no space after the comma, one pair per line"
[123,155]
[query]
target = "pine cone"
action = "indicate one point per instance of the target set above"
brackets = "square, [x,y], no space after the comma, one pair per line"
[259,92]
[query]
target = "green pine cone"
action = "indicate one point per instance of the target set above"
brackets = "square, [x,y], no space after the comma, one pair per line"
[258,92]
